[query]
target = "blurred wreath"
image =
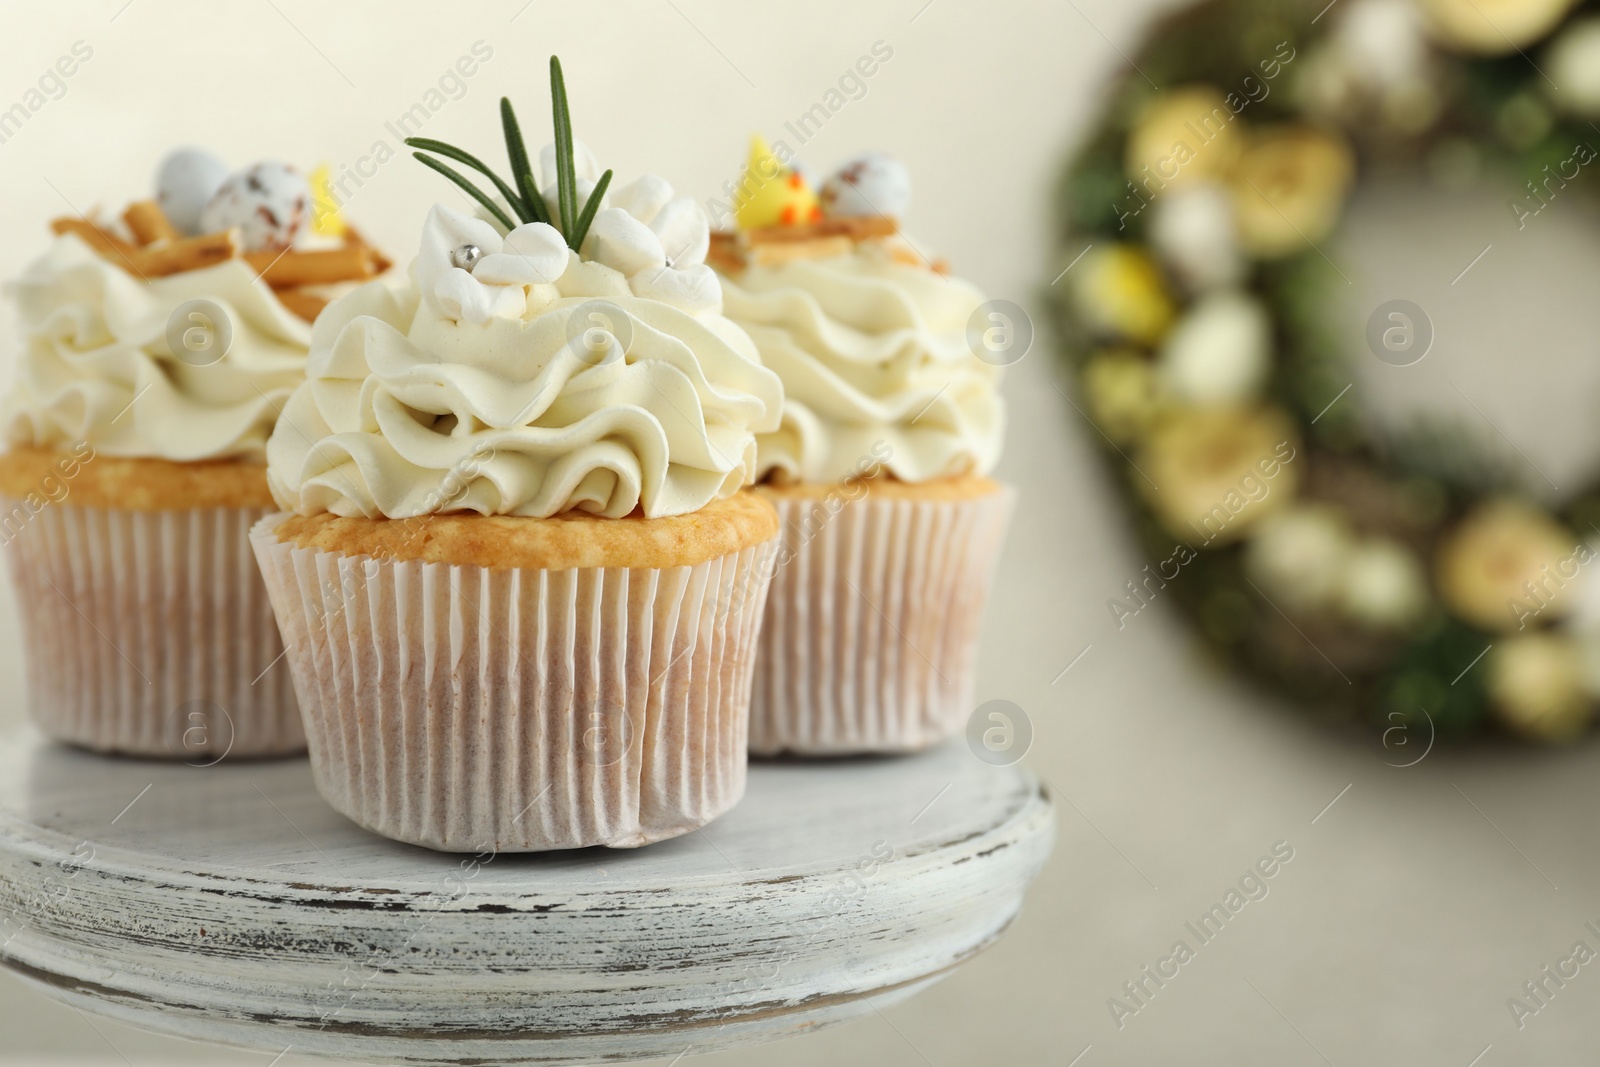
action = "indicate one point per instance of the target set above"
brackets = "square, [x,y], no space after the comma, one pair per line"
[1394,580]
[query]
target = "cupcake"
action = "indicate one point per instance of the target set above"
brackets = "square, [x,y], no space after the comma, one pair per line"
[157,350]
[517,568]
[891,529]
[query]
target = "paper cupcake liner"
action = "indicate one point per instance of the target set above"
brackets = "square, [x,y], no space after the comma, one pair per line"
[150,632]
[871,630]
[468,709]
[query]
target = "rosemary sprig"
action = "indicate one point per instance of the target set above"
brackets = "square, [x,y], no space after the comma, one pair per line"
[452,152]
[522,194]
[566,171]
[472,190]
[521,169]
[590,208]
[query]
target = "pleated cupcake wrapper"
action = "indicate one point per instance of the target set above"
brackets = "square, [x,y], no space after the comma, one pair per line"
[468,709]
[150,632]
[871,630]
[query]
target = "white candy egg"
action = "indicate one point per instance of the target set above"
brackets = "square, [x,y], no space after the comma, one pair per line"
[267,202]
[186,181]
[873,184]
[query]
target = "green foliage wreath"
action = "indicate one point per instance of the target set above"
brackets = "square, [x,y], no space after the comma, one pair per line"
[1392,580]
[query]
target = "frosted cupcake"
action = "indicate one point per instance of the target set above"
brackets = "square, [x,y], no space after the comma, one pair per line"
[518,574]
[157,349]
[891,529]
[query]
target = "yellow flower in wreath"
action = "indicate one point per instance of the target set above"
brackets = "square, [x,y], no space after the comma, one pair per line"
[1508,564]
[1493,27]
[1212,473]
[1288,189]
[1119,292]
[1181,136]
[1124,393]
[1536,686]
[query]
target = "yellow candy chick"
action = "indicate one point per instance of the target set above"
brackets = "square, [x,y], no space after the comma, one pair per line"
[325,218]
[771,194]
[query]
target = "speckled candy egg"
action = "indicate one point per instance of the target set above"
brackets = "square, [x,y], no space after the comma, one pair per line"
[267,202]
[186,181]
[873,184]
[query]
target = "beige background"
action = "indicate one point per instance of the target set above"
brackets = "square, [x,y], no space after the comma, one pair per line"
[1413,907]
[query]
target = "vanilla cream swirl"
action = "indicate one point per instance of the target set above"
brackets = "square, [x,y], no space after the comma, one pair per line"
[872,352]
[96,366]
[530,398]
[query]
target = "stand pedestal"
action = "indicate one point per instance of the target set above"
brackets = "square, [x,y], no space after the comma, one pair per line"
[230,904]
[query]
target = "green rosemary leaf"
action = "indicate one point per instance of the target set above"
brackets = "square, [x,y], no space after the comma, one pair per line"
[521,172]
[452,152]
[566,172]
[584,220]
[472,190]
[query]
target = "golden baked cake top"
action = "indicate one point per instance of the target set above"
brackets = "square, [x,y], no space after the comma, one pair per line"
[885,487]
[567,540]
[82,477]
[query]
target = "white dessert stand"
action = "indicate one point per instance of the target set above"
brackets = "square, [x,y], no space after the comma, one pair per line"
[230,904]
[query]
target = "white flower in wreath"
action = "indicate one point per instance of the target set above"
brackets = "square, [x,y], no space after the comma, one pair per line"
[1300,556]
[1382,42]
[1493,27]
[1574,65]
[1583,620]
[1220,352]
[1326,88]
[469,271]
[1584,591]
[1383,585]
[1194,232]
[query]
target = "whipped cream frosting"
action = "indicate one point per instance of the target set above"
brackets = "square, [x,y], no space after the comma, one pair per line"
[96,366]
[872,352]
[537,381]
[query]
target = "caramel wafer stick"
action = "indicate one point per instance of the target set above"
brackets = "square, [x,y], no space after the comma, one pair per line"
[304,304]
[106,244]
[148,223]
[726,253]
[855,227]
[289,270]
[766,255]
[187,253]
[352,237]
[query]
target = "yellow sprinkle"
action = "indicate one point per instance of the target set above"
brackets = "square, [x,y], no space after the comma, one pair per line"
[325,218]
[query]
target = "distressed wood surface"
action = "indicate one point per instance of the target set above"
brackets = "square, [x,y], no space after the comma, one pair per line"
[230,904]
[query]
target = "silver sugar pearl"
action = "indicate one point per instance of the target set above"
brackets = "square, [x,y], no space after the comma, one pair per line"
[465,257]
